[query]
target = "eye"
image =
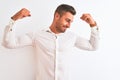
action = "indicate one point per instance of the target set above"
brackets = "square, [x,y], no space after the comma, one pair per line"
[68,20]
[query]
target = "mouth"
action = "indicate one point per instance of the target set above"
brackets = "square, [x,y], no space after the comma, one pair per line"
[64,27]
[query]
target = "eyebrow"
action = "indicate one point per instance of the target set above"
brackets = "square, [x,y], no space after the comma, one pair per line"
[69,20]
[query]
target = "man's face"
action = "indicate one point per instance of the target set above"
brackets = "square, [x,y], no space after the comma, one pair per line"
[63,22]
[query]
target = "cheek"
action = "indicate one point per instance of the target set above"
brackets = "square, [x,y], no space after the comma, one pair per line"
[64,23]
[61,22]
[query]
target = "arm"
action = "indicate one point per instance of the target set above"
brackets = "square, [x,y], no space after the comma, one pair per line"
[9,38]
[91,44]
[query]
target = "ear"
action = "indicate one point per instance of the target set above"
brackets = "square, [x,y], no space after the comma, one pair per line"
[57,15]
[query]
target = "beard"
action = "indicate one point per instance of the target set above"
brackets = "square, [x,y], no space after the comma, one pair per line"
[61,28]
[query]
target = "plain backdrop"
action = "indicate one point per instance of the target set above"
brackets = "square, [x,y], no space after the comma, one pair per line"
[103,64]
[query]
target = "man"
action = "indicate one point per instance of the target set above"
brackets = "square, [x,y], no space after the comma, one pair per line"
[52,44]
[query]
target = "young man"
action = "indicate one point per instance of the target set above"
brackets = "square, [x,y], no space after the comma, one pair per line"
[53,43]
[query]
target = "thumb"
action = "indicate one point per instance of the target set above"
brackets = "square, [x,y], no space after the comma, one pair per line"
[29,15]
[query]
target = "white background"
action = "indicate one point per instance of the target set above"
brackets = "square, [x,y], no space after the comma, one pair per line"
[103,64]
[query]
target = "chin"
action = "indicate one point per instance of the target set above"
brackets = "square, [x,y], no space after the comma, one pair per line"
[63,31]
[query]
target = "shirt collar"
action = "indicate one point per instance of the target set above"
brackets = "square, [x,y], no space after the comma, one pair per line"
[49,30]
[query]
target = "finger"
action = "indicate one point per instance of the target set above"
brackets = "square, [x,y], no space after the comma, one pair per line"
[88,20]
[83,17]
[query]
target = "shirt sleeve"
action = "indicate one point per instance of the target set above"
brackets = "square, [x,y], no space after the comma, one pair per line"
[10,40]
[92,43]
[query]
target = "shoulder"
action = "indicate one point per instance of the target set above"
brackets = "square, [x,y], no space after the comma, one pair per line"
[32,34]
[70,34]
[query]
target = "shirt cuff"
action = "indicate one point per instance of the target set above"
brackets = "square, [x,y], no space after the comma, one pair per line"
[95,28]
[11,23]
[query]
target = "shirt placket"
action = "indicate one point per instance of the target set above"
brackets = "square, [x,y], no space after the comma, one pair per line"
[56,58]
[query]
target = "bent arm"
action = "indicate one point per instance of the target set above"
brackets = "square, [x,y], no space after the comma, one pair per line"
[11,41]
[91,44]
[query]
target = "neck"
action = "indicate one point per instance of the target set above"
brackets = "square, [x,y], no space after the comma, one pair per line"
[53,29]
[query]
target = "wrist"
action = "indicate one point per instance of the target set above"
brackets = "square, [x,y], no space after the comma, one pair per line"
[93,25]
[14,19]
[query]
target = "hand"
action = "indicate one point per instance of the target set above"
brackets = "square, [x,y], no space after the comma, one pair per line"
[21,14]
[88,18]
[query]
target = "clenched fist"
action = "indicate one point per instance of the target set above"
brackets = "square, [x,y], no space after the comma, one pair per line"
[88,18]
[21,14]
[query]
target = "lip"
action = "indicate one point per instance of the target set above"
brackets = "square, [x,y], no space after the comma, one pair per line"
[64,27]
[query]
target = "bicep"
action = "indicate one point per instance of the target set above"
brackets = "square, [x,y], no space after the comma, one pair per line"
[83,43]
[17,41]
[24,40]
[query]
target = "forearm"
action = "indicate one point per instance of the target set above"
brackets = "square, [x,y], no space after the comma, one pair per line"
[90,44]
[9,37]
[94,38]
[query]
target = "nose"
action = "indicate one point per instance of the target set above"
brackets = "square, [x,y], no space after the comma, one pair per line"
[68,25]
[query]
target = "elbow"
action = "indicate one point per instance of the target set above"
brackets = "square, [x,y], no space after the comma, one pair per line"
[9,46]
[94,48]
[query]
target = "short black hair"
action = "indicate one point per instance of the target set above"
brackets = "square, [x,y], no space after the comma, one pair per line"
[65,8]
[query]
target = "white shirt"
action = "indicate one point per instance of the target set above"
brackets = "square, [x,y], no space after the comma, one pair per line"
[50,49]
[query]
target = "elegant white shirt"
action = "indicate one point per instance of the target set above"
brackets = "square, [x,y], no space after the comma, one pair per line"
[50,49]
